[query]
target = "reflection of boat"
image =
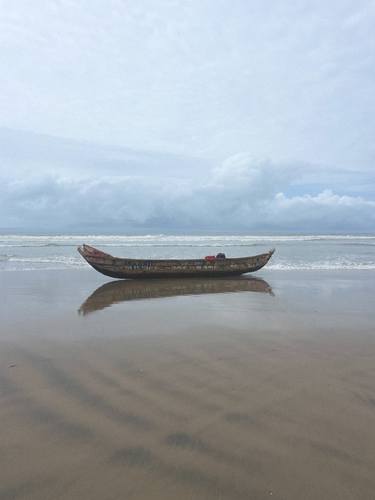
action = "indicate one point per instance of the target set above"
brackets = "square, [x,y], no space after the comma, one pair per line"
[119,291]
[171,268]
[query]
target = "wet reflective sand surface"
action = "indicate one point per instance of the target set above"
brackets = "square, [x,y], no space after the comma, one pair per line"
[117,291]
[203,396]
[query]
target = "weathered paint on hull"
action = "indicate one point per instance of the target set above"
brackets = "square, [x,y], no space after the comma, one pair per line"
[195,274]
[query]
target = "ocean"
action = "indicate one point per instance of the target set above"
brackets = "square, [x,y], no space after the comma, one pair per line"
[294,252]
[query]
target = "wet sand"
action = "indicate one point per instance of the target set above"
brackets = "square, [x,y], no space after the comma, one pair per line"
[199,391]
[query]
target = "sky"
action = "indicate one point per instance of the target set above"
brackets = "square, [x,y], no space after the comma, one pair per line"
[173,116]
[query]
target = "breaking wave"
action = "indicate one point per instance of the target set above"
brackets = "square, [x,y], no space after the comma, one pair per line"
[4,257]
[168,240]
[321,266]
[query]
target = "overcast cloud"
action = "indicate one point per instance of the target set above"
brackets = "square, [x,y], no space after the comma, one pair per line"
[176,116]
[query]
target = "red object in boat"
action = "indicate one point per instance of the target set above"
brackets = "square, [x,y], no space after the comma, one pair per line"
[210,257]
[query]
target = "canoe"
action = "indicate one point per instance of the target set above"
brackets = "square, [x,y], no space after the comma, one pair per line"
[115,292]
[123,268]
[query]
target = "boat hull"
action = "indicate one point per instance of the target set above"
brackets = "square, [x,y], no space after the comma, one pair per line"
[120,268]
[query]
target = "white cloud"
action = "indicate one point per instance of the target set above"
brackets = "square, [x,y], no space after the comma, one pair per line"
[240,195]
[210,78]
[326,210]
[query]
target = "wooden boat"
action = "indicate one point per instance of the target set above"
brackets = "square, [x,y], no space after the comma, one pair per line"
[115,292]
[116,267]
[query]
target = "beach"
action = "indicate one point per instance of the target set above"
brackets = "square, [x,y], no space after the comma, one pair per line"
[187,250]
[242,390]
